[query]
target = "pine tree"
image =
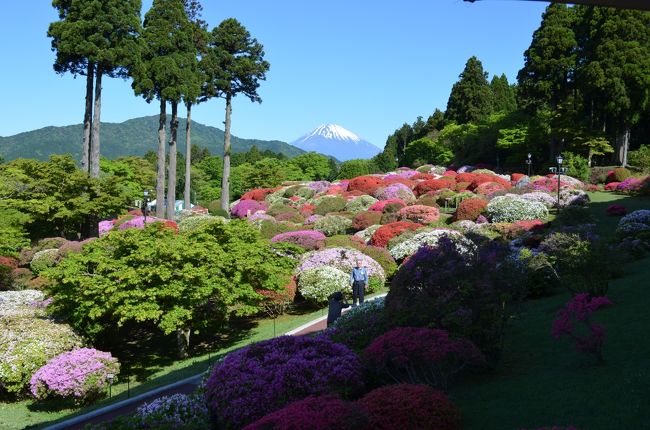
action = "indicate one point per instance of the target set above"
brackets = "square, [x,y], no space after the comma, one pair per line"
[503,95]
[470,99]
[95,38]
[235,64]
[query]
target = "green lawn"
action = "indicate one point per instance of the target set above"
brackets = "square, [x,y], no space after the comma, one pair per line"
[18,415]
[543,382]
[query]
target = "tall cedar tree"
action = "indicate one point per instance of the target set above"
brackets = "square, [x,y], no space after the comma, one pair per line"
[614,67]
[470,99]
[545,81]
[167,72]
[95,38]
[234,63]
[200,36]
[503,95]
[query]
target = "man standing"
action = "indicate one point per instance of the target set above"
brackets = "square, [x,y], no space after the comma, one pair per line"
[359,282]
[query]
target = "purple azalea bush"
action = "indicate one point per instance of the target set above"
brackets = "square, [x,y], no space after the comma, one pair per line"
[263,377]
[80,375]
[246,208]
[396,191]
[319,186]
[178,411]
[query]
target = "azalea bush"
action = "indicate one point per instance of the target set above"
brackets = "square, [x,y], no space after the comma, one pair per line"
[542,197]
[634,223]
[325,412]
[174,412]
[246,208]
[420,214]
[16,303]
[331,225]
[26,344]
[410,406]
[390,205]
[360,204]
[511,208]
[306,239]
[343,259]
[579,310]
[360,325]
[197,221]
[420,356]
[386,232]
[80,375]
[364,220]
[396,191]
[470,209]
[463,292]
[43,259]
[266,376]
[573,197]
[327,204]
[366,184]
[317,284]
[431,238]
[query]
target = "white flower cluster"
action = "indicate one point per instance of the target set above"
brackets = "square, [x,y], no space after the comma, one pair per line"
[540,196]
[512,208]
[331,225]
[14,303]
[318,283]
[360,204]
[573,197]
[431,238]
[634,222]
[366,234]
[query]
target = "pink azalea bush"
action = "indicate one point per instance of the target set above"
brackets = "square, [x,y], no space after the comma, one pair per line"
[420,355]
[80,375]
[246,208]
[396,191]
[616,210]
[306,239]
[420,214]
[264,377]
[579,309]
[381,204]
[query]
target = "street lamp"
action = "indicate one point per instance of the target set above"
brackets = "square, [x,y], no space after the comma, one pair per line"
[110,377]
[145,204]
[529,161]
[558,170]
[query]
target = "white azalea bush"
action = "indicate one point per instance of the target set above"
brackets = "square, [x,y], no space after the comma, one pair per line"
[540,196]
[343,259]
[26,344]
[316,284]
[431,238]
[360,204]
[573,197]
[331,225]
[19,303]
[512,208]
[634,222]
[43,259]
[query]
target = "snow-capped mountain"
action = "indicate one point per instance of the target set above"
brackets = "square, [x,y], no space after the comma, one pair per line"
[334,140]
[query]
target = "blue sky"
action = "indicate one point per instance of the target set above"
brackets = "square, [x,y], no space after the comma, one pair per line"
[368,66]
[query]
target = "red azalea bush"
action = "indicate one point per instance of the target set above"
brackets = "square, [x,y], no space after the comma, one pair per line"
[420,355]
[612,186]
[410,406]
[516,177]
[465,177]
[363,220]
[616,210]
[420,214]
[386,232]
[470,209]
[393,179]
[307,210]
[258,194]
[482,178]
[7,266]
[450,173]
[366,184]
[381,204]
[315,413]
[431,185]
[488,188]
[423,177]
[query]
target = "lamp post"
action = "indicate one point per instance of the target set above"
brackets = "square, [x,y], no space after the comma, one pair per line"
[558,170]
[145,205]
[110,377]
[529,161]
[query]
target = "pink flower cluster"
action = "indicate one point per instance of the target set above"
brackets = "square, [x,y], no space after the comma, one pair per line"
[246,208]
[579,309]
[616,210]
[381,204]
[419,214]
[80,375]
[307,239]
[396,191]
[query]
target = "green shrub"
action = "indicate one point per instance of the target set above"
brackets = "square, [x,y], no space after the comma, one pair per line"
[279,208]
[43,259]
[640,158]
[577,166]
[540,278]
[299,191]
[621,174]
[344,241]
[269,229]
[327,204]
[360,204]
[383,257]
[195,222]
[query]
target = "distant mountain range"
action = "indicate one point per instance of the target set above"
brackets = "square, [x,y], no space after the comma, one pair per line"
[133,137]
[336,141]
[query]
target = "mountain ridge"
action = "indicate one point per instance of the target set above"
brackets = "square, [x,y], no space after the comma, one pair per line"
[135,136]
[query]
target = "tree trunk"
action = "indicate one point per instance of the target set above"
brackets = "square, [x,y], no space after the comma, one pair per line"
[225,181]
[97,109]
[171,170]
[88,118]
[183,340]
[622,145]
[160,179]
[188,157]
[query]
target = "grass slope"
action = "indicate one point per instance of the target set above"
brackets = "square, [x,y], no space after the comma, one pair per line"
[543,382]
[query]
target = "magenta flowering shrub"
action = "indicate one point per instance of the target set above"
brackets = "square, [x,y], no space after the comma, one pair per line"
[306,239]
[396,191]
[420,356]
[80,375]
[246,208]
[105,227]
[630,185]
[579,310]
[616,210]
[314,413]
[263,377]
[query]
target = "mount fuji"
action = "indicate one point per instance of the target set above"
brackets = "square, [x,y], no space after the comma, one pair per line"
[334,140]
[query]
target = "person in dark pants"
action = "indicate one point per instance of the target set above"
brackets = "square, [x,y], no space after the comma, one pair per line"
[336,306]
[359,283]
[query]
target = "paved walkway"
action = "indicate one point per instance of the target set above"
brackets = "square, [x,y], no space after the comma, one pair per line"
[185,386]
